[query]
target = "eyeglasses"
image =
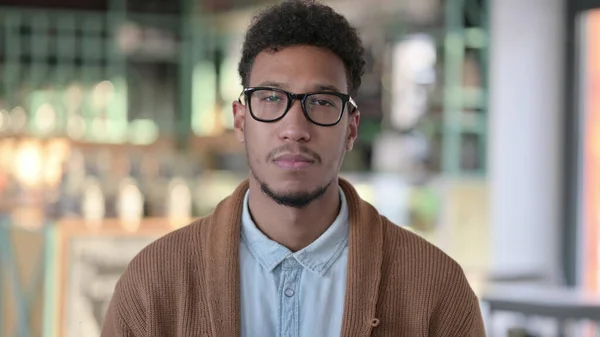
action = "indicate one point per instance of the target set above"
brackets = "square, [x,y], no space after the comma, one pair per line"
[322,108]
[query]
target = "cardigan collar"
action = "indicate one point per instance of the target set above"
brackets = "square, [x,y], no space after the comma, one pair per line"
[219,242]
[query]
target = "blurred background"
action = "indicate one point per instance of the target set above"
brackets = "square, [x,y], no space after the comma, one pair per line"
[480,131]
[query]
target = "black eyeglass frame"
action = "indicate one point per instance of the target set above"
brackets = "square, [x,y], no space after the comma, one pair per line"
[247,93]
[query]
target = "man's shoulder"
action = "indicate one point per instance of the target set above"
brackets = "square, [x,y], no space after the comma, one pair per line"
[157,278]
[409,248]
[175,251]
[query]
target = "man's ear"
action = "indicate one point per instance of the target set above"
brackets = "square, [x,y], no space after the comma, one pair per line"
[353,122]
[239,118]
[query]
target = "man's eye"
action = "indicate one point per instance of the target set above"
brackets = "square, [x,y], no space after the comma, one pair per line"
[272,99]
[321,102]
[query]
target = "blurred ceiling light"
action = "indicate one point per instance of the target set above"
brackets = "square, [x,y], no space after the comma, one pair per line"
[143,132]
[18,119]
[59,148]
[413,69]
[76,127]
[102,94]
[129,38]
[45,118]
[73,97]
[52,171]
[4,120]
[415,58]
[28,163]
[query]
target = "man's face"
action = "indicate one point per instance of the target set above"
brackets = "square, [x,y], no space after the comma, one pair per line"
[293,159]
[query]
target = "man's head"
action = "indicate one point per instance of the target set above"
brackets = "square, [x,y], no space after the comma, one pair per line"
[295,142]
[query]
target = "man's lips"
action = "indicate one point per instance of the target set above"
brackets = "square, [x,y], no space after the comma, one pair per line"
[293,161]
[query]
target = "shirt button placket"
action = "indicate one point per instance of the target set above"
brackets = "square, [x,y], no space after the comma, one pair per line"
[289,298]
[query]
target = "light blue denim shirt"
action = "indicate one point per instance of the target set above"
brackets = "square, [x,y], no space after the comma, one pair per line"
[301,294]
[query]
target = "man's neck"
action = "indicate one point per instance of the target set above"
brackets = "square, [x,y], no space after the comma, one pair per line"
[293,228]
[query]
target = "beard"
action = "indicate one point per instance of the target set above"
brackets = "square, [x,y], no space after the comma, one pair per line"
[299,199]
[291,199]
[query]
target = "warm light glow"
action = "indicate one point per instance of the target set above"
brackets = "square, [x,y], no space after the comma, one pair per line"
[57,152]
[52,171]
[28,163]
[7,154]
[59,147]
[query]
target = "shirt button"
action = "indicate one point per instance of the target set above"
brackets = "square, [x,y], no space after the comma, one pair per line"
[289,292]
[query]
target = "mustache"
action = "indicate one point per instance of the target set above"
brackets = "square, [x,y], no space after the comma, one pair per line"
[288,148]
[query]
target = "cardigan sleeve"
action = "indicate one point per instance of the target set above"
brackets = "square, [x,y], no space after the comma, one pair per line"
[458,312]
[473,322]
[125,316]
[114,324]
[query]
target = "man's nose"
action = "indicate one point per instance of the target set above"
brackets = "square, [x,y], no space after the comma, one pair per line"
[295,126]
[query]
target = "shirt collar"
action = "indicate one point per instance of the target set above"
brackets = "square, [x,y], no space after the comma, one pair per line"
[317,257]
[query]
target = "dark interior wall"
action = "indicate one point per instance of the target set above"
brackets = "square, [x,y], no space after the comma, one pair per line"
[580,5]
[58,4]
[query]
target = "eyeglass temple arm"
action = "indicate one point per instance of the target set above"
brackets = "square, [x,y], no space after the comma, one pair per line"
[354,105]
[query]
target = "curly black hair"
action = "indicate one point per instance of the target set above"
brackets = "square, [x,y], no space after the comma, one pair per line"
[304,22]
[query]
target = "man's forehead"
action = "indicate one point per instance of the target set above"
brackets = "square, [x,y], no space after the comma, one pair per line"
[305,68]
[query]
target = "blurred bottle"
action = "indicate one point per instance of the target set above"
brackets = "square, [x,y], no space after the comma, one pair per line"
[93,204]
[179,203]
[152,186]
[130,200]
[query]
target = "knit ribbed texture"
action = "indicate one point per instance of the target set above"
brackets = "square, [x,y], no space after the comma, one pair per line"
[187,283]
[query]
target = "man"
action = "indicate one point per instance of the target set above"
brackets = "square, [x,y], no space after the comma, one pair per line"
[294,251]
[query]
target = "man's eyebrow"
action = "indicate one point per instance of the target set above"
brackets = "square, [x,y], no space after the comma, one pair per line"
[272,84]
[318,87]
[326,87]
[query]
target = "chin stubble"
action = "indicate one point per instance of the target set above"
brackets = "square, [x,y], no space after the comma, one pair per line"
[294,200]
